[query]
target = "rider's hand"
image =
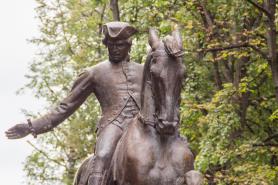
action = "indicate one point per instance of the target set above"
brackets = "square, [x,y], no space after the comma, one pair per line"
[18,131]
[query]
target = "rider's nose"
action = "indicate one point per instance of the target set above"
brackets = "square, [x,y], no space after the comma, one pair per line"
[115,47]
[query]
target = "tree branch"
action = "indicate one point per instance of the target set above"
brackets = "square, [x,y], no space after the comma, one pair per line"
[233,46]
[44,154]
[62,145]
[115,10]
[263,54]
[274,136]
[100,28]
[207,19]
[260,8]
[266,144]
[101,13]
[217,76]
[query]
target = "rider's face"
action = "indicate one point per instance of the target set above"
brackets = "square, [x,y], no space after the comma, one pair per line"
[118,50]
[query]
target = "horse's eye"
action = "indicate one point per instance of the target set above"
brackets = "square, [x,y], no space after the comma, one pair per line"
[154,70]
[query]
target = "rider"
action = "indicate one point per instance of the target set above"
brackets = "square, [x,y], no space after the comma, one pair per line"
[116,83]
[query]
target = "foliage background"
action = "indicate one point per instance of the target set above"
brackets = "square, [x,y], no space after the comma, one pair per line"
[229,110]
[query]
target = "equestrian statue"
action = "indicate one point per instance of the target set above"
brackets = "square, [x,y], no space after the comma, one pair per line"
[151,150]
[138,142]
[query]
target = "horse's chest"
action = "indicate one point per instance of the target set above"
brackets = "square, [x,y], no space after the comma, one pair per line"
[164,170]
[162,173]
[148,162]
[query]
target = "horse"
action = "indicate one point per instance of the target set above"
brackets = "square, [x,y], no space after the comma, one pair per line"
[151,150]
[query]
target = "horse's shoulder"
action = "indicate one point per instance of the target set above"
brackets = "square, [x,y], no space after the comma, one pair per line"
[181,148]
[181,154]
[137,144]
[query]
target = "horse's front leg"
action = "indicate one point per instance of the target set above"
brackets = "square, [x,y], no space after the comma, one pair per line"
[193,178]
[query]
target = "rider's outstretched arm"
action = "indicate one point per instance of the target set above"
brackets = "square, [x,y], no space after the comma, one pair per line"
[82,88]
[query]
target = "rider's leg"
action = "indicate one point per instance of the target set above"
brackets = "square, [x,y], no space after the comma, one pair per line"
[105,147]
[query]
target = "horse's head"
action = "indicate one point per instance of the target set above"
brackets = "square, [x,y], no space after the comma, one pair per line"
[166,76]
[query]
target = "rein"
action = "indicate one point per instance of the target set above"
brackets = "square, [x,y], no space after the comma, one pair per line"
[166,52]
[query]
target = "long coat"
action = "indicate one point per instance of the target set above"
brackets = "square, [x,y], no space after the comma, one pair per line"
[112,83]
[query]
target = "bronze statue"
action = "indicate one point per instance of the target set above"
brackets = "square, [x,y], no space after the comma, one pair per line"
[116,84]
[151,151]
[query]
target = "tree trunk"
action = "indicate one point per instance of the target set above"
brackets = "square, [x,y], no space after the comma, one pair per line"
[115,10]
[217,76]
[270,6]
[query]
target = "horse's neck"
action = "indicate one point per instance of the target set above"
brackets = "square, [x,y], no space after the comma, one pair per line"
[147,100]
[148,106]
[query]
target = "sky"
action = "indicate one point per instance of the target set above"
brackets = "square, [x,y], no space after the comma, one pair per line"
[17,24]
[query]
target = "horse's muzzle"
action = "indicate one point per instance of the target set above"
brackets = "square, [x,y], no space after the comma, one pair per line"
[166,127]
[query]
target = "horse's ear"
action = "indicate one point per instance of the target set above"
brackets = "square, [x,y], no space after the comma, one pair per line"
[177,35]
[153,38]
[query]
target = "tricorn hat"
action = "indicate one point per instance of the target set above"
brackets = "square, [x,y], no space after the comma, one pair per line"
[117,31]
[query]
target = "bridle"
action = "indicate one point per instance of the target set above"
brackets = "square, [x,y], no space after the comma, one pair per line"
[167,53]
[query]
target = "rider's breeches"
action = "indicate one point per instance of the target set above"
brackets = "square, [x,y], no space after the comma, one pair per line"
[105,147]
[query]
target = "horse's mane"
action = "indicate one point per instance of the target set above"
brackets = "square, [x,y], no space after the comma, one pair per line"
[146,76]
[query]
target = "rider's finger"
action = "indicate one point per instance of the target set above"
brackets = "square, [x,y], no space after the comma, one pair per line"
[11,135]
[15,137]
[9,131]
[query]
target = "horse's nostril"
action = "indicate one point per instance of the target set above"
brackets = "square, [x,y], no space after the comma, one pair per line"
[165,122]
[166,127]
[161,125]
[170,123]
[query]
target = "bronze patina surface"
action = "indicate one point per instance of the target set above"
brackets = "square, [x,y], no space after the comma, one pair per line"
[132,148]
[116,84]
[151,151]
